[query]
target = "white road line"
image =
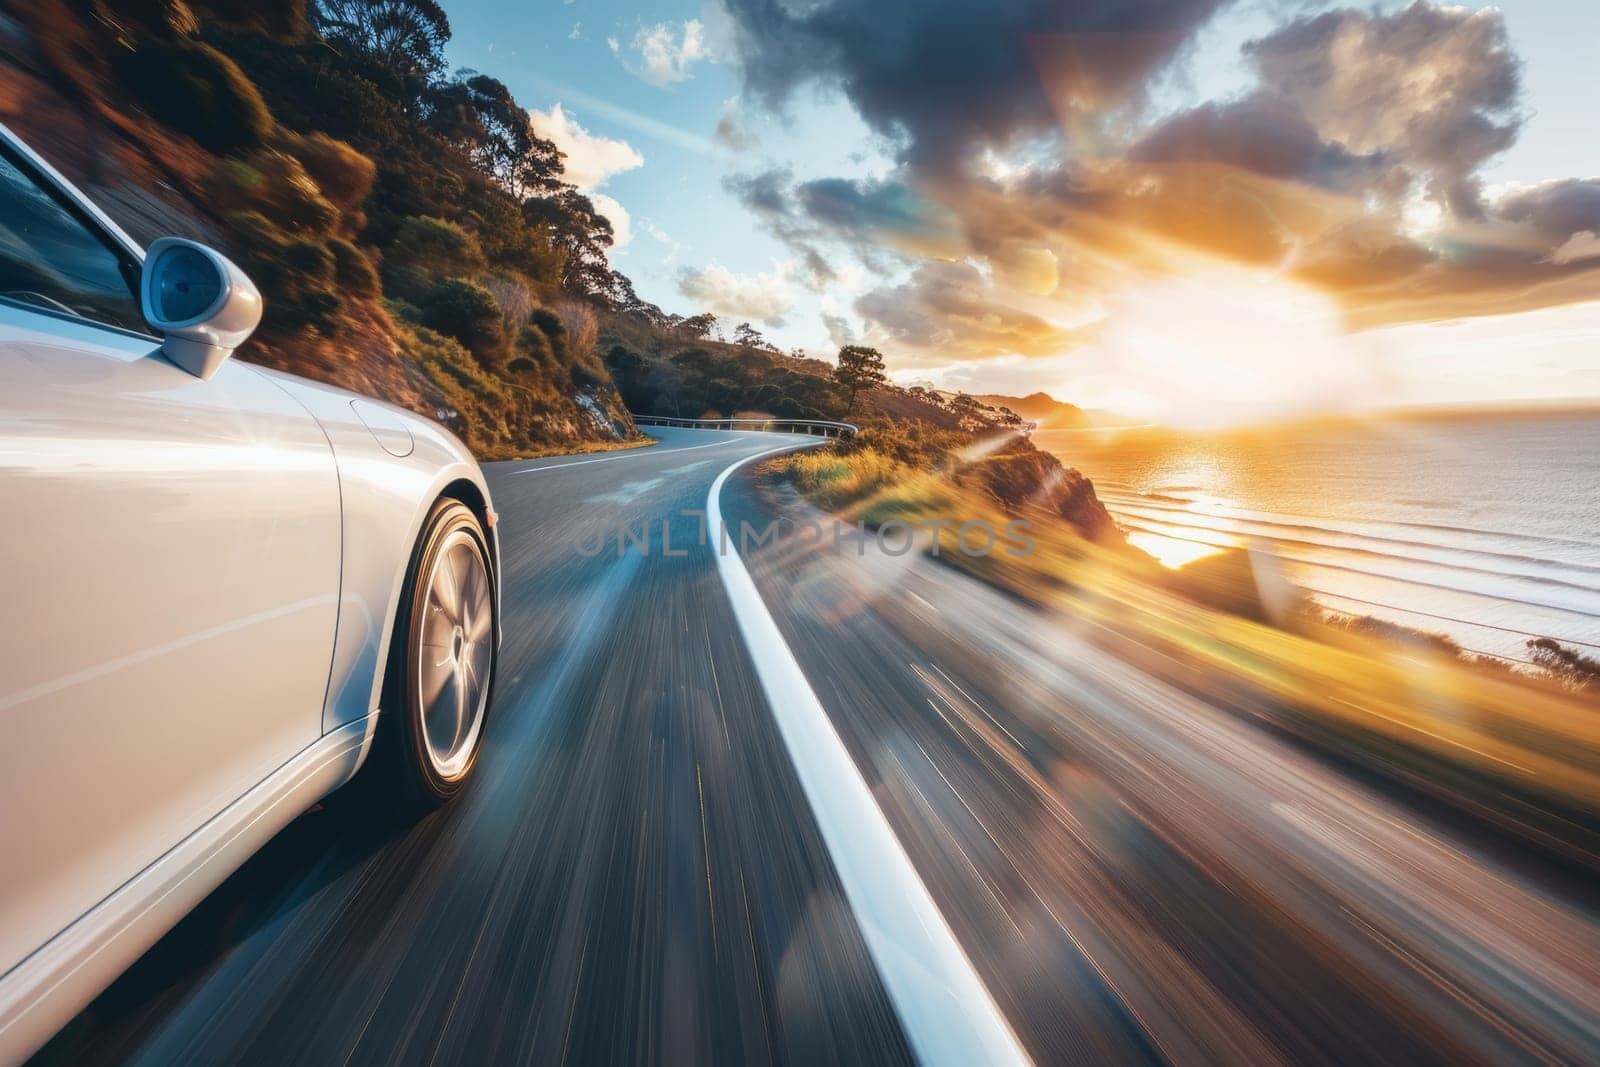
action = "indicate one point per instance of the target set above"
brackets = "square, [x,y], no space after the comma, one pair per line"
[947,1013]
[629,454]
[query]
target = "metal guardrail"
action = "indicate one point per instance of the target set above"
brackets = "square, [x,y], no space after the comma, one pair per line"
[811,427]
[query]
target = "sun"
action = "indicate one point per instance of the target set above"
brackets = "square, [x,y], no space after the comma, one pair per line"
[1221,346]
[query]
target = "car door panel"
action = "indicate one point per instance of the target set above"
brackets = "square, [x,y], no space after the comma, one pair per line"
[170,598]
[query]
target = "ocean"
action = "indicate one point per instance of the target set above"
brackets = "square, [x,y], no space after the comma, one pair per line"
[1483,527]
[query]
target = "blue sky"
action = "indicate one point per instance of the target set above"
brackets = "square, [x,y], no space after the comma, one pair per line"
[638,91]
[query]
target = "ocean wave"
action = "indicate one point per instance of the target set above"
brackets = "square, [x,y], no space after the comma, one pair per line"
[1550,593]
[1372,529]
[1324,537]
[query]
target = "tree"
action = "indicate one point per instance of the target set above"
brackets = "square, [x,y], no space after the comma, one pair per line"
[859,368]
[697,326]
[747,336]
[694,360]
[478,115]
[403,39]
[624,361]
[1567,666]
[968,407]
[581,234]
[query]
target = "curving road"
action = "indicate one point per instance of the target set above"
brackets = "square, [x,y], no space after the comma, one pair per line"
[659,863]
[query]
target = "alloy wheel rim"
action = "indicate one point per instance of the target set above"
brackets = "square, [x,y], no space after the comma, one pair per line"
[455,654]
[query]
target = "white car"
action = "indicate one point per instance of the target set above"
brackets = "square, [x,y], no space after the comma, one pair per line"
[221,588]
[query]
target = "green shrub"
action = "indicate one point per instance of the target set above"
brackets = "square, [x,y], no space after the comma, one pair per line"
[343,175]
[198,91]
[403,310]
[494,416]
[587,371]
[282,19]
[321,310]
[353,270]
[535,344]
[275,184]
[297,275]
[550,324]
[621,359]
[466,311]
[436,247]
[310,260]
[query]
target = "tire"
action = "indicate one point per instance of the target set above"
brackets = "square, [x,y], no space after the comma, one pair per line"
[440,678]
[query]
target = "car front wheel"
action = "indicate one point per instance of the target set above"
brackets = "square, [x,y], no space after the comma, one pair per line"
[441,668]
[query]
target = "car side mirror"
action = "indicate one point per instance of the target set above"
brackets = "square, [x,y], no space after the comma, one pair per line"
[202,304]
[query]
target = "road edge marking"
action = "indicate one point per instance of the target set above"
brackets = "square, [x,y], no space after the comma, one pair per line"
[945,1009]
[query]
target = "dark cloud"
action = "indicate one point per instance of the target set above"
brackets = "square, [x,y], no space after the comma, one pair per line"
[1263,135]
[942,78]
[770,197]
[766,193]
[1434,88]
[866,214]
[862,206]
[876,221]
[1557,210]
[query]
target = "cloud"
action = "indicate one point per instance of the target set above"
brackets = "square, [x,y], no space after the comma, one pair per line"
[1434,89]
[1556,210]
[954,309]
[617,215]
[576,33]
[1264,135]
[731,134]
[768,195]
[1034,187]
[590,159]
[667,52]
[883,224]
[765,297]
[946,78]
[1581,246]
[887,212]
[839,330]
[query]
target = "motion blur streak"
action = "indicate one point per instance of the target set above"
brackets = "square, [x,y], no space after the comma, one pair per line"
[1137,872]
[949,1015]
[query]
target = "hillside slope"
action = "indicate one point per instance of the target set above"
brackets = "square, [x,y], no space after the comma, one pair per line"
[1041,408]
[370,199]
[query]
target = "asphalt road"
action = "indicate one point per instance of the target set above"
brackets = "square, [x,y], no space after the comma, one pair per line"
[639,873]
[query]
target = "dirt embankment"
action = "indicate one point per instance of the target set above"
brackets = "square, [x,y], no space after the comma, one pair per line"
[1034,480]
